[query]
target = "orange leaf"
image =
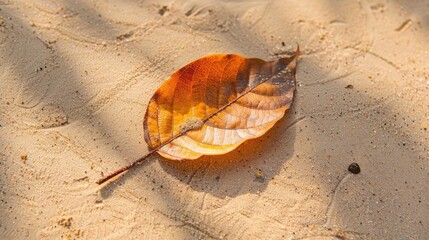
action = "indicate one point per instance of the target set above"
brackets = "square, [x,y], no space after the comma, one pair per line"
[212,105]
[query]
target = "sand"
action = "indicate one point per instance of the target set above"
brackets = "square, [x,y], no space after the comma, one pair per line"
[76,76]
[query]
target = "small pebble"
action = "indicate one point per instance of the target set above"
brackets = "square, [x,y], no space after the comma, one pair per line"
[259,176]
[354,168]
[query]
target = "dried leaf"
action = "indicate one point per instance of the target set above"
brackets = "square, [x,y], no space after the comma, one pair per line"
[212,105]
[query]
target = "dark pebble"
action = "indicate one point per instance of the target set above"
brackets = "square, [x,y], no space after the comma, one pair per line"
[163,10]
[354,168]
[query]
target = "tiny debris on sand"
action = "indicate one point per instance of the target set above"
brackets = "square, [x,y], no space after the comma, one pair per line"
[65,222]
[259,176]
[24,157]
[191,124]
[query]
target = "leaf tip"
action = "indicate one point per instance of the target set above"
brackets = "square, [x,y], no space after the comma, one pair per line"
[292,60]
[298,51]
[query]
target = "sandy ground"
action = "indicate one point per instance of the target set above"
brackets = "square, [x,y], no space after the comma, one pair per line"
[76,76]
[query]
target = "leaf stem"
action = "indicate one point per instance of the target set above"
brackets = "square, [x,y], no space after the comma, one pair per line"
[140,160]
[121,170]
